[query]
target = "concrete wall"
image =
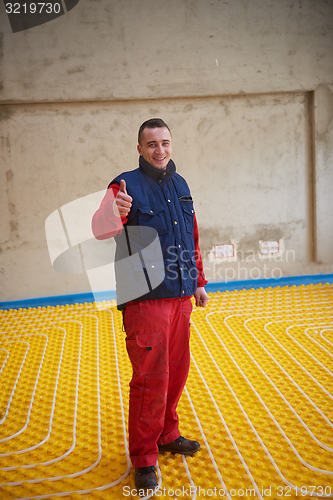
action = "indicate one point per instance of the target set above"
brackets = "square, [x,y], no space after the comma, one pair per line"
[247,88]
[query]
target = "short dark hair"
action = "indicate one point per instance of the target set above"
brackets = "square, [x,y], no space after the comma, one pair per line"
[152,123]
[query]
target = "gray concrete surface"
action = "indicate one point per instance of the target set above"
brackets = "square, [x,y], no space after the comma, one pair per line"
[247,88]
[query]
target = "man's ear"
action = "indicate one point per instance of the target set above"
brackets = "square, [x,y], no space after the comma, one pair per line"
[139,149]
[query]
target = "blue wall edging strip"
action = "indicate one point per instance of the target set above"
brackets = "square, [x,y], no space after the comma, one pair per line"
[269,283]
[59,300]
[211,287]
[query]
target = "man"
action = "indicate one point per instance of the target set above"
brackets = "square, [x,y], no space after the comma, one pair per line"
[157,323]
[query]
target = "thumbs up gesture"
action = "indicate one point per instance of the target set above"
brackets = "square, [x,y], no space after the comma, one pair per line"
[123,202]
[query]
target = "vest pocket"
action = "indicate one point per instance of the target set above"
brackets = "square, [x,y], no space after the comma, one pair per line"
[188,214]
[151,217]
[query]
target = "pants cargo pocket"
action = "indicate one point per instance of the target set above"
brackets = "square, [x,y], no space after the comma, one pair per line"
[146,353]
[150,373]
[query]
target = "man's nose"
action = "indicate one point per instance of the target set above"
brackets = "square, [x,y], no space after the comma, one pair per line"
[159,148]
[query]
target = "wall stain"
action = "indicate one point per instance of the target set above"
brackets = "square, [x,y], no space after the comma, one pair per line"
[323,111]
[48,62]
[13,226]
[248,239]
[264,233]
[9,175]
[5,113]
[13,223]
[188,108]
[11,208]
[225,105]
[77,69]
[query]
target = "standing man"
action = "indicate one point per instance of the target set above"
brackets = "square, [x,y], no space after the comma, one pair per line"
[157,323]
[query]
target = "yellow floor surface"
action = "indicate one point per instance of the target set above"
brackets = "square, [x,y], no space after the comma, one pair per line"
[259,398]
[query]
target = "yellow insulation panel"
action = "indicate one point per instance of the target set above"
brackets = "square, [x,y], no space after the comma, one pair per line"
[259,398]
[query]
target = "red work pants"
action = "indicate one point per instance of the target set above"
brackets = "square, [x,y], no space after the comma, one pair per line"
[157,343]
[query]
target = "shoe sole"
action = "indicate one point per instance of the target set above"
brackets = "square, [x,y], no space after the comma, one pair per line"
[187,453]
[146,488]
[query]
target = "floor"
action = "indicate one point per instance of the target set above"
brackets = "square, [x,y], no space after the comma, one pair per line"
[258,398]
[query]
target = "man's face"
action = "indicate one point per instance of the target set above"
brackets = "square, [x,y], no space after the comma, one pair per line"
[156,146]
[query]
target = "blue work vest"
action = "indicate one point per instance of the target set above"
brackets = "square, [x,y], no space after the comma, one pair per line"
[161,201]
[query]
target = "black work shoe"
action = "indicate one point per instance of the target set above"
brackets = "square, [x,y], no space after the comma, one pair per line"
[181,445]
[145,478]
